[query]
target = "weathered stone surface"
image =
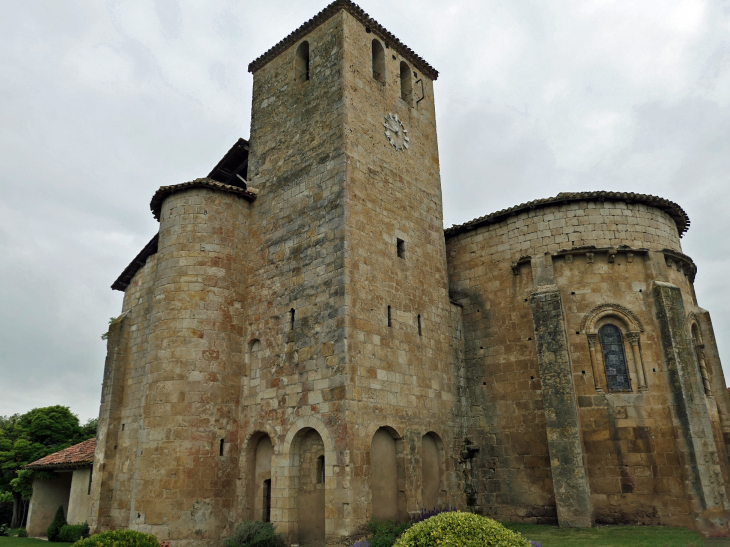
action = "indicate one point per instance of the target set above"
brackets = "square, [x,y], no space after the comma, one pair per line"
[570,483]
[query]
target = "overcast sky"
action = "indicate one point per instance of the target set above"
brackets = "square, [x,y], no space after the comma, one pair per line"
[102,102]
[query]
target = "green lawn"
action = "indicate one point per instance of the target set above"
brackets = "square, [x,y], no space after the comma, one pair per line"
[28,542]
[613,536]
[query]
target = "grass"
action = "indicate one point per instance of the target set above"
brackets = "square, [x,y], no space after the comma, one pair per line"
[26,542]
[611,536]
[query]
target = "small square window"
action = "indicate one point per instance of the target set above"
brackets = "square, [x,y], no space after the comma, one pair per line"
[400,247]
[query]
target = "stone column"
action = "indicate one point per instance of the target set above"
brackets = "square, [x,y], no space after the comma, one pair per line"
[703,369]
[570,479]
[633,338]
[597,372]
[702,473]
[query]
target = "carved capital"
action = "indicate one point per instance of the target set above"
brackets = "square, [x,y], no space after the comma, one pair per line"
[633,338]
[592,340]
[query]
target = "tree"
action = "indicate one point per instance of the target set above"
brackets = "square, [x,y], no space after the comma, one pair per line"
[29,437]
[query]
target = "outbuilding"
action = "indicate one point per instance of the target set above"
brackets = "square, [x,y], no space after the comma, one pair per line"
[69,488]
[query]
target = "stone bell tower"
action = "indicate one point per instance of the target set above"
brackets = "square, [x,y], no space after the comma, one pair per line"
[348,287]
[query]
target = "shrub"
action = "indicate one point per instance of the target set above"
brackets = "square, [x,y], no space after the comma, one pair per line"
[119,538]
[58,521]
[460,529]
[3,530]
[383,533]
[73,532]
[22,533]
[254,534]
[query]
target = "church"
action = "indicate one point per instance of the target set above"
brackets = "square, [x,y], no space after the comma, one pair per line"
[303,342]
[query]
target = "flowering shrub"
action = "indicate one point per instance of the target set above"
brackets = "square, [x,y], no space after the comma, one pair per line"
[457,529]
[535,544]
[119,538]
[428,513]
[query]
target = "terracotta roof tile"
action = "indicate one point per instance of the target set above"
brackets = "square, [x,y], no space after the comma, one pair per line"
[669,207]
[357,12]
[164,191]
[78,455]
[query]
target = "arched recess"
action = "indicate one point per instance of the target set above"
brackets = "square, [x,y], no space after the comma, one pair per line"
[309,465]
[406,83]
[699,347]
[432,471]
[252,370]
[378,61]
[259,490]
[387,477]
[623,326]
[301,63]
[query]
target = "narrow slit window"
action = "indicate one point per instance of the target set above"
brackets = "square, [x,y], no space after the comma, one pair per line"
[420,332]
[400,248]
[320,470]
[122,427]
[390,322]
[291,318]
[267,500]
[378,61]
[91,473]
[223,442]
[302,62]
[614,358]
[406,83]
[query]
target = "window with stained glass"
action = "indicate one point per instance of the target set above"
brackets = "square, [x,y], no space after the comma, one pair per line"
[614,358]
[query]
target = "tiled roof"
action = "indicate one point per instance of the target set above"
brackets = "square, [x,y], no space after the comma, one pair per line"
[78,455]
[125,278]
[357,12]
[669,207]
[164,191]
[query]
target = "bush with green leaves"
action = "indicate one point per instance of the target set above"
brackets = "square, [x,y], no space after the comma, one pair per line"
[254,534]
[458,529]
[22,533]
[4,530]
[383,533]
[73,532]
[119,538]
[56,524]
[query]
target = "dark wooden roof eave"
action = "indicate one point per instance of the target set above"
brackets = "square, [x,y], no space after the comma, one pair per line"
[137,263]
[678,214]
[358,13]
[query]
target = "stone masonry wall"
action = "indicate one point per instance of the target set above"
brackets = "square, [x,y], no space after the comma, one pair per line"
[401,376]
[629,438]
[120,411]
[296,261]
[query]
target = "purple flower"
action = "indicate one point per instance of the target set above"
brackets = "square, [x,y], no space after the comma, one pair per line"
[535,544]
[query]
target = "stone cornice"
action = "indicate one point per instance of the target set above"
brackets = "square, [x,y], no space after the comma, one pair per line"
[357,12]
[164,191]
[672,209]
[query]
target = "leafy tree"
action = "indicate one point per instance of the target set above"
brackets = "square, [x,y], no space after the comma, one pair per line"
[29,437]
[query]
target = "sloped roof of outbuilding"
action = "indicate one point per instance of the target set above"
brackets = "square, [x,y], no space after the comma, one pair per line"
[669,207]
[358,13]
[78,455]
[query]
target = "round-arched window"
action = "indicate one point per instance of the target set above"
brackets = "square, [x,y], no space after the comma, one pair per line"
[614,358]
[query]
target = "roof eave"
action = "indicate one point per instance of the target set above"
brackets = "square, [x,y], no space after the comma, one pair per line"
[358,13]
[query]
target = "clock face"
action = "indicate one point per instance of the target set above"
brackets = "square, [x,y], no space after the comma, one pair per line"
[396,133]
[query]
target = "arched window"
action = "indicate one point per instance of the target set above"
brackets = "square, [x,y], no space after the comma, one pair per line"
[378,61]
[406,83]
[302,63]
[614,358]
